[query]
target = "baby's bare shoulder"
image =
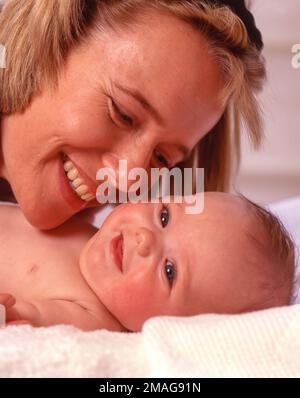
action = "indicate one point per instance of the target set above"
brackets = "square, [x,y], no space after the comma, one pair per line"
[11,217]
[7,211]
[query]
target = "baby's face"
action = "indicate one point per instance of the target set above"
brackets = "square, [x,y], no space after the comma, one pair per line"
[154,259]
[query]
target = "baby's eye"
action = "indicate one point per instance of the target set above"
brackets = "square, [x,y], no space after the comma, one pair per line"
[164,216]
[170,271]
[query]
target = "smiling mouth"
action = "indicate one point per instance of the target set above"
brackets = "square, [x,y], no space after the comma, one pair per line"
[76,181]
[116,248]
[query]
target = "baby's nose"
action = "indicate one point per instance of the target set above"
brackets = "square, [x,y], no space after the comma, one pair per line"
[145,240]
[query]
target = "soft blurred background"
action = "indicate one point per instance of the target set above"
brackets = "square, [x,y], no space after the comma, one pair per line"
[273,173]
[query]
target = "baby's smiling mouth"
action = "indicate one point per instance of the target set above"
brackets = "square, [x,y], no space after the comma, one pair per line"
[116,248]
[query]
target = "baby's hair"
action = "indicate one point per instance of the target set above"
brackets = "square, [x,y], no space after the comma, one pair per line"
[277,244]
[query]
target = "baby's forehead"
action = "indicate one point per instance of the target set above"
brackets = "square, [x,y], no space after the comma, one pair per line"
[225,224]
[220,207]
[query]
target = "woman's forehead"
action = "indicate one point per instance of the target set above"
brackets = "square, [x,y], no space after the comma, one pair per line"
[170,63]
[170,60]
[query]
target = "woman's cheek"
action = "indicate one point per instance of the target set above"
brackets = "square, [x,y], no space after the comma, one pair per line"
[88,135]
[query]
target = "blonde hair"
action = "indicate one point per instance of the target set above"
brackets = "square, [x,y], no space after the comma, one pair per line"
[39,34]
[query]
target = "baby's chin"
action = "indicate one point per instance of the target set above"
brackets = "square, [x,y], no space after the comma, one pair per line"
[84,257]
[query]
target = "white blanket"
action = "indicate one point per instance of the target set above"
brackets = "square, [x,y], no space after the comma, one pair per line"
[260,344]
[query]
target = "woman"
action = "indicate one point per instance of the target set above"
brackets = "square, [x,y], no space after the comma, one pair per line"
[87,83]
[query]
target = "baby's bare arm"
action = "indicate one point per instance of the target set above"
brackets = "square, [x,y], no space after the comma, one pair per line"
[49,312]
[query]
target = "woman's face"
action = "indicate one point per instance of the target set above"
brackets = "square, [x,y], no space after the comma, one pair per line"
[92,120]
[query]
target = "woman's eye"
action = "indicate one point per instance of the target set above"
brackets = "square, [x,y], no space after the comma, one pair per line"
[164,217]
[122,116]
[162,159]
[170,271]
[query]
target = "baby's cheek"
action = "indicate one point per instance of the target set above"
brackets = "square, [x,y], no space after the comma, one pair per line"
[90,264]
[136,301]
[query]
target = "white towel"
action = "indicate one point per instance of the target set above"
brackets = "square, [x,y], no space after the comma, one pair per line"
[259,344]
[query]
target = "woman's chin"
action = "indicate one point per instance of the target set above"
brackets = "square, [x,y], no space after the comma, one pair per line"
[44,224]
[45,218]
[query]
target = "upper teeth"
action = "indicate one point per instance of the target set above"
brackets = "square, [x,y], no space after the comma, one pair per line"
[77,182]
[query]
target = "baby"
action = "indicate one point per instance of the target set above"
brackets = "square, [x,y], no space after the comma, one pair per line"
[146,260]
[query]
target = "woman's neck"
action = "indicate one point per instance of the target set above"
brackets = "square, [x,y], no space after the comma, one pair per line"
[6,193]
[3,173]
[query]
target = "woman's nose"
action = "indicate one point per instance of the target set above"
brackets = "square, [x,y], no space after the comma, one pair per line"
[145,241]
[121,166]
